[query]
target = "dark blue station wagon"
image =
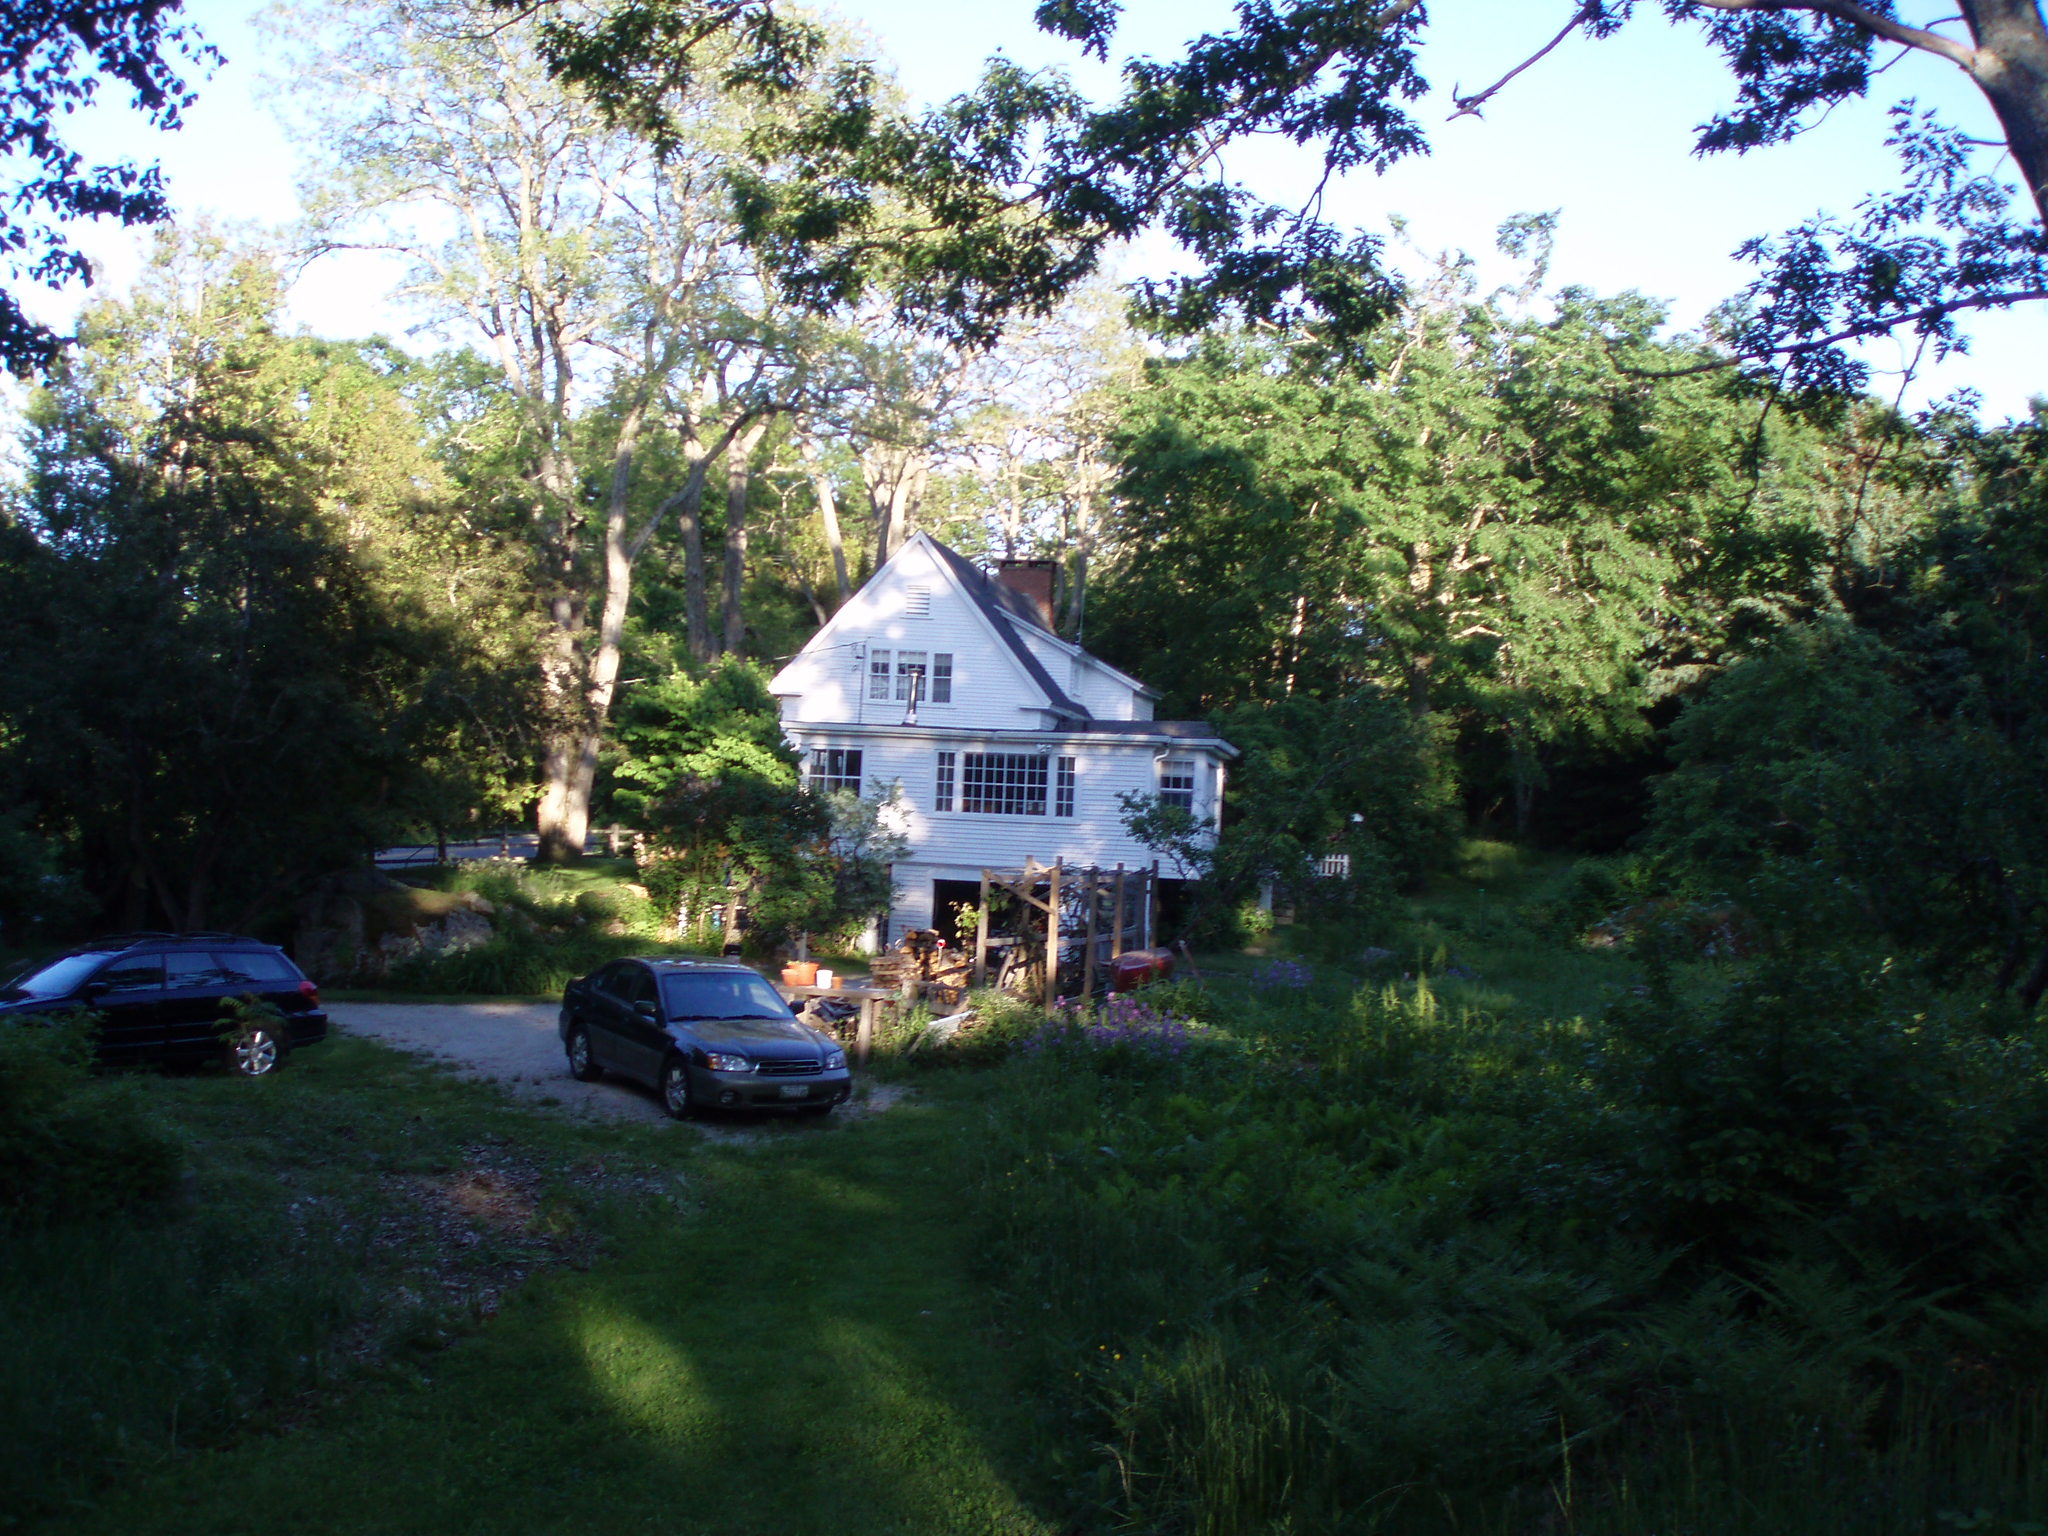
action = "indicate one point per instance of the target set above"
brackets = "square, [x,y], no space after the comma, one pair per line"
[162,997]
[704,1035]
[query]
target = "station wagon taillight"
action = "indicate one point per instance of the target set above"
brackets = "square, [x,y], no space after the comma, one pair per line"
[310,993]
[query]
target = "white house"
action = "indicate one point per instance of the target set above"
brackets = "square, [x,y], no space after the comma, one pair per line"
[1007,741]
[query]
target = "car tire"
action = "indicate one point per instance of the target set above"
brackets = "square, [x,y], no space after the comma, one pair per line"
[677,1097]
[257,1052]
[582,1061]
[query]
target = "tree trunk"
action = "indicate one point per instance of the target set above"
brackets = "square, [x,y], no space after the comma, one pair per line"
[690,523]
[739,482]
[2010,66]
[2036,983]
[895,475]
[570,761]
[828,514]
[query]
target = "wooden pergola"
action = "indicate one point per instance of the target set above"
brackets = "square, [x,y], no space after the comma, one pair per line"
[1117,909]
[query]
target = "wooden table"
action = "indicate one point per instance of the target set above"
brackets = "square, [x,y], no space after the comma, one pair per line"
[869,998]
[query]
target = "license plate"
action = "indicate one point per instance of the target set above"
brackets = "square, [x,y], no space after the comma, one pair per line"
[796,1090]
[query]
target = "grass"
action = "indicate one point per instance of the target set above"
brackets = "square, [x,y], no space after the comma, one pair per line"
[1319,1273]
[797,1346]
[1472,917]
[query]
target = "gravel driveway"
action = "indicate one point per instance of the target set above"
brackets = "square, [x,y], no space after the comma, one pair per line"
[515,1045]
[509,1043]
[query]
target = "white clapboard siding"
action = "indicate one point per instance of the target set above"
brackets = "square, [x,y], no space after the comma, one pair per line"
[1060,703]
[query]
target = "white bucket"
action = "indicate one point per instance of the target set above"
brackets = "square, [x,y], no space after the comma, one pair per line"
[827,979]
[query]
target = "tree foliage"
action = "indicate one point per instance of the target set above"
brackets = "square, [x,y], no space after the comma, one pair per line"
[1003,198]
[55,55]
[705,768]
[245,647]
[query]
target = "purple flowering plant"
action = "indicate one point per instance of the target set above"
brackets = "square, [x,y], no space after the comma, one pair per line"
[1125,1019]
[1283,975]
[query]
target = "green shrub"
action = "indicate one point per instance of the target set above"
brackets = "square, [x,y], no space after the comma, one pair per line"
[526,963]
[72,1147]
[1378,1263]
[1811,1093]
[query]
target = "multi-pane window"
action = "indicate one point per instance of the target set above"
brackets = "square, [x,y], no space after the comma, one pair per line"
[1063,786]
[910,670]
[1002,783]
[1177,783]
[835,768]
[893,674]
[942,789]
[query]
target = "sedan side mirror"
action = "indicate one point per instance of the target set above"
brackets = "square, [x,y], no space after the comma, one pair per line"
[645,1010]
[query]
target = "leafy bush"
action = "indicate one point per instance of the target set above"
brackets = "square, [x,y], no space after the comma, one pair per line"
[71,1147]
[529,963]
[1809,1095]
[1373,1263]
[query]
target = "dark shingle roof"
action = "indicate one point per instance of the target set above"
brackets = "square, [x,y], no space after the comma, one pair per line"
[1000,604]
[1187,730]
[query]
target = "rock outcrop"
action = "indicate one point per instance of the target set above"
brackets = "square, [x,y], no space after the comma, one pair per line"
[355,926]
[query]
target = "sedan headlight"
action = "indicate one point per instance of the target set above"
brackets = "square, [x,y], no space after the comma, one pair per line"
[718,1061]
[834,1060]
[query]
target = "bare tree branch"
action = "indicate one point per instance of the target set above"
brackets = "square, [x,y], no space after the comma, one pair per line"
[1878,327]
[1959,54]
[1468,106]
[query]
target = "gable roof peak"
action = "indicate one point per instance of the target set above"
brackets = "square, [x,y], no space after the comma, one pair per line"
[1003,610]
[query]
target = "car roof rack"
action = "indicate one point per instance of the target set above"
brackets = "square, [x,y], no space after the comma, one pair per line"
[153,936]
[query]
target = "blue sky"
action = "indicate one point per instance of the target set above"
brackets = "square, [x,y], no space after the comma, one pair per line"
[1599,132]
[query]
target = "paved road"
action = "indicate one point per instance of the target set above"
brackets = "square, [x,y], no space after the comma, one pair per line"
[509,1043]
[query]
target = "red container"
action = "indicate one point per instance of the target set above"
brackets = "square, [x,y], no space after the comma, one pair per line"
[1134,968]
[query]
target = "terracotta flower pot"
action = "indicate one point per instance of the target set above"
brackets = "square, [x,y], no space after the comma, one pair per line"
[800,973]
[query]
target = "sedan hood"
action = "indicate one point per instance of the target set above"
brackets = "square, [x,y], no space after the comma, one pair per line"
[760,1037]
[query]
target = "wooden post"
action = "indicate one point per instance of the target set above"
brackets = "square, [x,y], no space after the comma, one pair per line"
[1052,935]
[864,1040]
[1116,938]
[981,936]
[1152,906]
[1088,955]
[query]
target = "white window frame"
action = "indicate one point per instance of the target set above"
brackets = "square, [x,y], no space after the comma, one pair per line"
[1177,779]
[822,781]
[1005,783]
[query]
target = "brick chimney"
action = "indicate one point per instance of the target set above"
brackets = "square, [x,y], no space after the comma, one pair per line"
[1031,580]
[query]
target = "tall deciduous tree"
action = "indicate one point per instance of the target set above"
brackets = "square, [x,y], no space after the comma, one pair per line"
[605,284]
[1499,521]
[243,643]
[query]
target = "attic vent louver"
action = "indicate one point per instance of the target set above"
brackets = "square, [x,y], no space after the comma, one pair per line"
[917,602]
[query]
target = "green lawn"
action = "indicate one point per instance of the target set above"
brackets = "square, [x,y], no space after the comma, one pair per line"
[796,1349]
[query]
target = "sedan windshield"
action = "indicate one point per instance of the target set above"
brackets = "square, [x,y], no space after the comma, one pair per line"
[721,995]
[59,978]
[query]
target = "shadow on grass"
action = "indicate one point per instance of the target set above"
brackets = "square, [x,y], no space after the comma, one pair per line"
[800,1354]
